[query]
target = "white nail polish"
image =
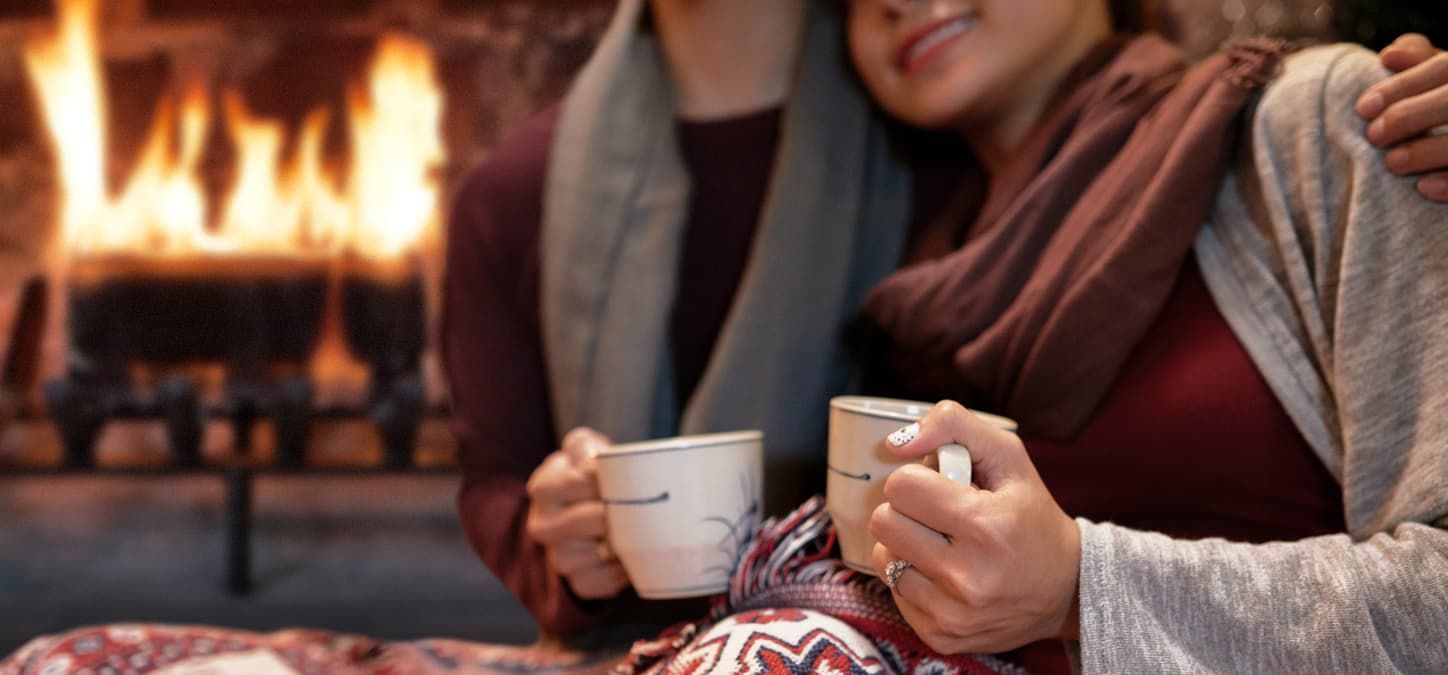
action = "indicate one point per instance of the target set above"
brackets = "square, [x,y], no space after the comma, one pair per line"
[904,434]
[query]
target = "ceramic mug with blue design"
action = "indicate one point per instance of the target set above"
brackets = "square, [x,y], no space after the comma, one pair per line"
[860,460]
[680,510]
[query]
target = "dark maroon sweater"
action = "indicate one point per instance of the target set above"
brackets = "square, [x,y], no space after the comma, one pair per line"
[1189,442]
[492,333]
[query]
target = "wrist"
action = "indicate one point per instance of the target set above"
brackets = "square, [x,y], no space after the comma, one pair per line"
[1070,627]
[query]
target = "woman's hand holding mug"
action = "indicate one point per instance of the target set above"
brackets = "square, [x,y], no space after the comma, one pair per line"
[990,568]
[566,516]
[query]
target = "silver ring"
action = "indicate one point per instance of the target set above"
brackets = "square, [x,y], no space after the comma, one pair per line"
[893,570]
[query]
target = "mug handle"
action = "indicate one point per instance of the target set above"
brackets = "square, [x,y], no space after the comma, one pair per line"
[954,461]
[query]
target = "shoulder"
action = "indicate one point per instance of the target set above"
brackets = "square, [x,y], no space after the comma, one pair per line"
[1333,68]
[519,163]
[1317,89]
[1308,141]
[499,202]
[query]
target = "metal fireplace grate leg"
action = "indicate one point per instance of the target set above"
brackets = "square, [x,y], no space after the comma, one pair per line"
[238,530]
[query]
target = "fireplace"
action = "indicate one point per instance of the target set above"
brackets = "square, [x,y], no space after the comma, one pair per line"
[234,213]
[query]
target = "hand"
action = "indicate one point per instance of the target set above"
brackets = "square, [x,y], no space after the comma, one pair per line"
[991,568]
[1405,107]
[565,515]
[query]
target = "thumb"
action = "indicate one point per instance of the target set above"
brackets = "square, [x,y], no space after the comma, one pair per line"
[581,445]
[997,456]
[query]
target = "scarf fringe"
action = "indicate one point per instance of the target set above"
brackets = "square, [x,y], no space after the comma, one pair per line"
[1256,61]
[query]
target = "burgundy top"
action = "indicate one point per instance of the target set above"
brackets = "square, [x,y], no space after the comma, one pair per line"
[1189,441]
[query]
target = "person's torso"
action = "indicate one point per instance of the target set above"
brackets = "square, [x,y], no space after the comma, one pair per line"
[1190,441]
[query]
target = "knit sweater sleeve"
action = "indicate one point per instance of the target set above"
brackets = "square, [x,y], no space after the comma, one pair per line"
[494,359]
[1334,275]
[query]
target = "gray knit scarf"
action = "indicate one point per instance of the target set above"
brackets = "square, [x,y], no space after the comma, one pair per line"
[617,196]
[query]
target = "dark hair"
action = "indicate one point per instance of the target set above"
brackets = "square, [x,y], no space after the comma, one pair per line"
[1132,16]
[1376,23]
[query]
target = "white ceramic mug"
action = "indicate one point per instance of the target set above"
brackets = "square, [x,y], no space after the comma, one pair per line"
[859,461]
[680,509]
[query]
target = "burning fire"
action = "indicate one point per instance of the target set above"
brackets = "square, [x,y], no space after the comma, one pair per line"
[382,208]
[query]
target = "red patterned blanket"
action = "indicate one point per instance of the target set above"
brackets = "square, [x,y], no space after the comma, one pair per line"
[192,650]
[793,607]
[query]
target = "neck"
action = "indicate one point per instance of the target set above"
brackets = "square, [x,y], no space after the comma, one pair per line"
[997,138]
[728,57]
[996,145]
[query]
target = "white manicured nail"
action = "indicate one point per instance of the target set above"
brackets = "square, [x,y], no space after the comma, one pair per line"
[904,434]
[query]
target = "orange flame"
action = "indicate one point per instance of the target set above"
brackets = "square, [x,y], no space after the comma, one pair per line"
[162,208]
[294,208]
[66,73]
[395,131]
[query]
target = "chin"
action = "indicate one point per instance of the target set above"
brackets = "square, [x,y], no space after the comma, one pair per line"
[926,113]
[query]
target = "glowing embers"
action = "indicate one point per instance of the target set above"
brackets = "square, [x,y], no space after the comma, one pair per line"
[263,337]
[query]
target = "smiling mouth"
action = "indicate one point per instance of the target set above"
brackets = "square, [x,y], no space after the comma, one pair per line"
[925,44]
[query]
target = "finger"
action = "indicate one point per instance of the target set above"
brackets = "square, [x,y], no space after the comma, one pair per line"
[1407,51]
[581,520]
[996,455]
[1429,153]
[571,557]
[915,597]
[598,583]
[1425,74]
[1434,186]
[920,620]
[557,482]
[582,445]
[908,539]
[935,502]
[926,627]
[882,556]
[1419,111]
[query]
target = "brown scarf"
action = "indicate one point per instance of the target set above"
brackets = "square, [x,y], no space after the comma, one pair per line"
[1080,238]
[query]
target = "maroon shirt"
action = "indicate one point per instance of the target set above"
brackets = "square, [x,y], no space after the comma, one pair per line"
[1189,442]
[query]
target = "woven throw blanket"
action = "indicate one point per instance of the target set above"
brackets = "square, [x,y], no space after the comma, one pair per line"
[794,607]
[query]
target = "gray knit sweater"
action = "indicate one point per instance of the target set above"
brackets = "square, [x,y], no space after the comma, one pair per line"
[1334,275]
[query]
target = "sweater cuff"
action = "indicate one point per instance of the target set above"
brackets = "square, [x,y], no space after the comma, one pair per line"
[1126,590]
[1100,557]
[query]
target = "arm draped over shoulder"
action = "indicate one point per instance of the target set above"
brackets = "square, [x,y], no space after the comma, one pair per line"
[1334,275]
